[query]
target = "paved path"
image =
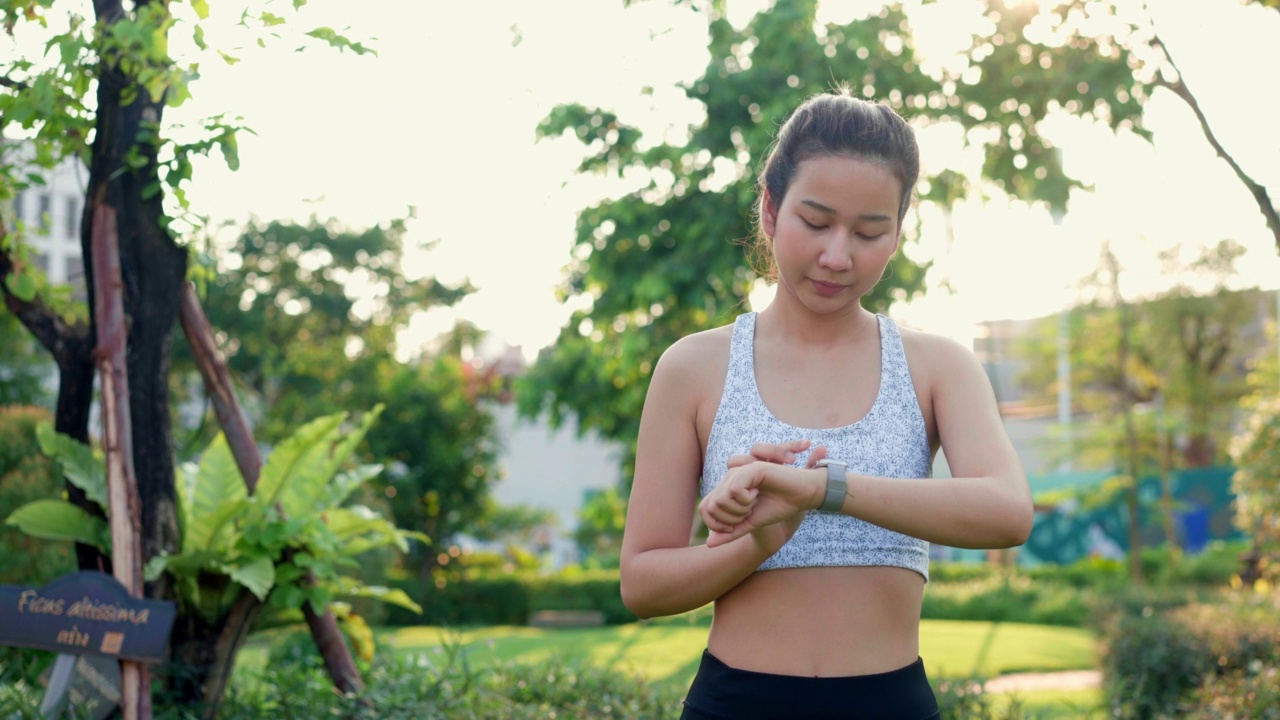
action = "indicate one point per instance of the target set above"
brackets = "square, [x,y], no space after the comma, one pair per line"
[1066,680]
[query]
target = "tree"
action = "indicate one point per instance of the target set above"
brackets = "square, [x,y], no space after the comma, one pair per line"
[663,261]
[1188,345]
[440,448]
[100,93]
[310,314]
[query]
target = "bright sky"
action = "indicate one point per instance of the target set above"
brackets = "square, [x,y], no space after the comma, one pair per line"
[444,120]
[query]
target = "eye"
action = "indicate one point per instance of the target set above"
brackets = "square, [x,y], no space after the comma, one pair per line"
[811,226]
[865,236]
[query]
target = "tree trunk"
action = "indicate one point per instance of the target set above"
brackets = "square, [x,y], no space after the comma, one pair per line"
[153,269]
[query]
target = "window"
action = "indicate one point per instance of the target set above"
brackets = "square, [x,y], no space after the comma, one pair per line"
[75,270]
[73,217]
[46,209]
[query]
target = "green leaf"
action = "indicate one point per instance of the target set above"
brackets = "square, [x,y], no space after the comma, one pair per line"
[258,576]
[201,7]
[298,461]
[392,596]
[218,492]
[362,529]
[60,520]
[78,462]
[271,19]
[155,567]
[345,483]
[22,285]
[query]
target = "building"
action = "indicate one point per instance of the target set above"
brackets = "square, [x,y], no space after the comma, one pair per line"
[50,217]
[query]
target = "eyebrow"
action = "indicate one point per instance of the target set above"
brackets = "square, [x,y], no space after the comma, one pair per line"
[873,217]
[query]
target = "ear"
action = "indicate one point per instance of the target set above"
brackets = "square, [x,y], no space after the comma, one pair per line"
[768,214]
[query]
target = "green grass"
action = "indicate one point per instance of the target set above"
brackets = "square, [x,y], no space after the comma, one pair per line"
[1057,704]
[670,653]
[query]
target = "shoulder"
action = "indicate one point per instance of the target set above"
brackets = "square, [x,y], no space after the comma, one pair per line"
[931,347]
[937,357]
[697,356]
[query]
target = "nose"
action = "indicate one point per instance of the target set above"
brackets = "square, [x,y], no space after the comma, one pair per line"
[837,255]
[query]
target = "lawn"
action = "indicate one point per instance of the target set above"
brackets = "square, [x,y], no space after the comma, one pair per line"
[670,653]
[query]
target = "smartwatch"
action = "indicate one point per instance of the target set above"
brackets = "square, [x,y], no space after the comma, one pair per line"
[837,485]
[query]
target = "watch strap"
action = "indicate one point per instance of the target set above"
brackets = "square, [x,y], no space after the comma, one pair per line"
[837,487]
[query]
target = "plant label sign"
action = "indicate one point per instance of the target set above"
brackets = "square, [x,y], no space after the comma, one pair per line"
[85,613]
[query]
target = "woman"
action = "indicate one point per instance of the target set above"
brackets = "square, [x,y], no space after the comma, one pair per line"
[813,426]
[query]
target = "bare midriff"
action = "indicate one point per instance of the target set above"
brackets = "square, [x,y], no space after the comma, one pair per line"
[820,622]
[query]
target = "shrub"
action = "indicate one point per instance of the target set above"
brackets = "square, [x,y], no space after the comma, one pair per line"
[965,698]
[508,598]
[1252,693]
[27,475]
[1009,598]
[1163,661]
[437,686]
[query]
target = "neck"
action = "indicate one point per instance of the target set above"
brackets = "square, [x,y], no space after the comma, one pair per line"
[798,327]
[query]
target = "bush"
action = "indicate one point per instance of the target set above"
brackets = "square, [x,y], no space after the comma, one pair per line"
[1008,598]
[509,598]
[27,475]
[437,686]
[1161,661]
[965,698]
[1253,693]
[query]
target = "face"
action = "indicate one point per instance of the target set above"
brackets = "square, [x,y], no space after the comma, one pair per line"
[834,232]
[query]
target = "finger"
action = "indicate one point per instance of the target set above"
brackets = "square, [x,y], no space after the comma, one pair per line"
[727,535]
[779,452]
[719,512]
[817,454]
[740,460]
[743,495]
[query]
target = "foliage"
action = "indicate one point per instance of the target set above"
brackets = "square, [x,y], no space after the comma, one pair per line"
[26,476]
[315,309]
[516,523]
[24,369]
[509,597]
[98,93]
[1256,452]
[1162,661]
[600,523]
[1186,347]
[662,261]
[439,444]
[1013,598]
[266,543]
[966,698]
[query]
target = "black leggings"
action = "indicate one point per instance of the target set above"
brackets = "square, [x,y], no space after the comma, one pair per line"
[720,692]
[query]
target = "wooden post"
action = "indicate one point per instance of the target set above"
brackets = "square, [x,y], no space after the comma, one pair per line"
[117,441]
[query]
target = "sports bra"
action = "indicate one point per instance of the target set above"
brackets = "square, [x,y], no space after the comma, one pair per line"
[890,441]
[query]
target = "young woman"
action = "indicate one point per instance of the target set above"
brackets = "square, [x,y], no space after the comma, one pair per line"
[813,425]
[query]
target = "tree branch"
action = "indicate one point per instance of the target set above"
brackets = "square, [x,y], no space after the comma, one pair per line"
[54,333]
[107,10]
[1179,88]
[15,84]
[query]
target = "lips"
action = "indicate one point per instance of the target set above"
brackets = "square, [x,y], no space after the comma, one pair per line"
[825,288]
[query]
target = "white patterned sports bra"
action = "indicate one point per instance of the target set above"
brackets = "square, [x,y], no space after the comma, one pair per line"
[891,441]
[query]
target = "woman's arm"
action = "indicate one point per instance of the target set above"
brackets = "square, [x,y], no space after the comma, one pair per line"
[661,573]
[986,505]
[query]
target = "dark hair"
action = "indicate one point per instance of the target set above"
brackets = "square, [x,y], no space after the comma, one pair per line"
[835,123]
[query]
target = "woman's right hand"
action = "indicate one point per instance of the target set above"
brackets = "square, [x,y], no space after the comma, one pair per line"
[775,535]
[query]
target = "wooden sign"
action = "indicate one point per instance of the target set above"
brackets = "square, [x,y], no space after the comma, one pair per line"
[88,685]
[85,613]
